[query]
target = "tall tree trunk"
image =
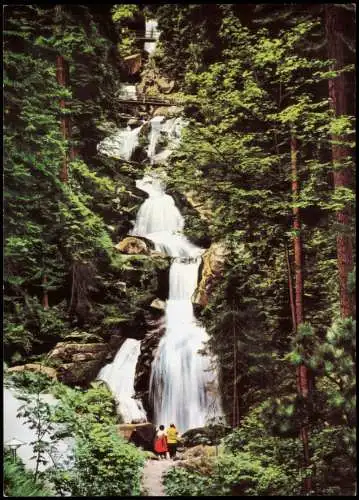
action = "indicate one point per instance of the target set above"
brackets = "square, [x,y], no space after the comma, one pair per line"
[62,76]
[342,176]
[302,371]
[45,297]
[290,285]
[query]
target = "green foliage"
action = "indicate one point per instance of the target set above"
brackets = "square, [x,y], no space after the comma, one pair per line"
[96,405]
[104,465]
[19,482]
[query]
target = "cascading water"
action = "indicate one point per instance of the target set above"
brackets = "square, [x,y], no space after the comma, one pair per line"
[121,144]
[119,376]
[151,32]
[181,379]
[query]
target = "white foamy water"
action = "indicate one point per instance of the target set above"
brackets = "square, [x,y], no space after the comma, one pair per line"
[181,379]
[151,32]
[121,144]
[119,376]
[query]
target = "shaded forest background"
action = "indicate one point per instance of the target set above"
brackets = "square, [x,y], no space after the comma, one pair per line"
[269,93]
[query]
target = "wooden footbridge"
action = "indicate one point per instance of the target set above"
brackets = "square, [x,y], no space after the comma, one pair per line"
[151,101]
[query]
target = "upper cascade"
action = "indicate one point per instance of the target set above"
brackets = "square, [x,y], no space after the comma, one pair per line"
[121,144]
[124,141]
[151,33]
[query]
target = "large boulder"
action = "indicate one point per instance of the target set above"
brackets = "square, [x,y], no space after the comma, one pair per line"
[209,435]
[213,263]
[79,364]
[132,245]
[35,367]
[168,111]
[158,304]
[133,63]
[141,435]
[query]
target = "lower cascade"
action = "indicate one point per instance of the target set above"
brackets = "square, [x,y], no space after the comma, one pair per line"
[183,382]
[119,376]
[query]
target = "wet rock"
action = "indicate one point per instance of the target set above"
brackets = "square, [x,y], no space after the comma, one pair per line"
[168,111]
[80,363]
[134,122]
[165,85]
[133,63]
[35,367]
[65,351]
[108,127]
[158,304]
[79,373]
[132,245]
[213,263]
[155,330]
[208,435]
[141,435]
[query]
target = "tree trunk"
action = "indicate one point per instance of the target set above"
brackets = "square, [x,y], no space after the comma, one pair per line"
[290,286]
[62,76]
[342,176]
[302,371]
[45,298]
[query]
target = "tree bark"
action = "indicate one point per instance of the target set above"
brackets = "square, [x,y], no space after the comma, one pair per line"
[342,176]
[45,298]
[302,371]
[62,76]
[290,286]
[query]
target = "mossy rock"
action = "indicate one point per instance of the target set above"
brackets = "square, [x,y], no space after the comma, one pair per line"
[209,435]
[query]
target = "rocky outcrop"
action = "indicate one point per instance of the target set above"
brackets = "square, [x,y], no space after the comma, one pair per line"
[79,364]
[132,245]
[158,304]
[133,63]
[35,367]
[143,436]
[153,83]
[143,372]
[209,435]
[213,263]
[168,111]
[204,208]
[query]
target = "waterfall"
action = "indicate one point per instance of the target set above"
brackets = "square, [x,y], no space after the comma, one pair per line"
[121,144]
[181,379]
[119,376]
[151,32]
[154,136]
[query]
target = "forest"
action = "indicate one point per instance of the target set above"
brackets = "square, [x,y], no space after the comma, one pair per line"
[256,150]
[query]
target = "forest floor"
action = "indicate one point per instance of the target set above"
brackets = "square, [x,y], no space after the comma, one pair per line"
[152,477]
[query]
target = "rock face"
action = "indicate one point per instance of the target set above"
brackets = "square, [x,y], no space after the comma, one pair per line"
[80,363]
[158,304]
[143,436]
[133,63]
[208,435]
[168,111]
[213,263]
[35,367]
[148,349]
[132,245]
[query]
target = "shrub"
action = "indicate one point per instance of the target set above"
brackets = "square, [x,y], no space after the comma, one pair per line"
[104,465]
[19,482]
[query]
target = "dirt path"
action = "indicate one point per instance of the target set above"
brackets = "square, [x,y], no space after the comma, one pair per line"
[152,477]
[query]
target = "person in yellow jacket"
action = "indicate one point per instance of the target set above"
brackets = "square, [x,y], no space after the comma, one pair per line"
[172,439]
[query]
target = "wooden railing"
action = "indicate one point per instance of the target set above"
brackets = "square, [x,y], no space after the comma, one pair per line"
[153,100]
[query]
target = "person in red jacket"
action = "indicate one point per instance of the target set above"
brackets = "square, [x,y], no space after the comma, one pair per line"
[161,442]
